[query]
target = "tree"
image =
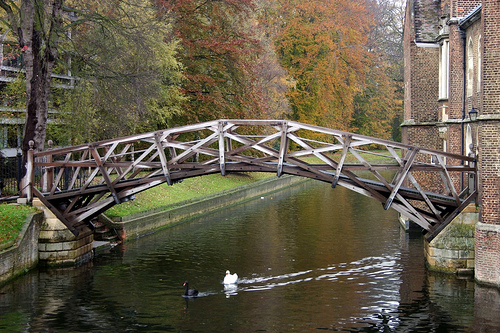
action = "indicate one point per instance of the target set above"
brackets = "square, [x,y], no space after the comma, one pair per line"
[219,53]
[323,46]
[37,25]
[124,54]
[379,106]
[273,80]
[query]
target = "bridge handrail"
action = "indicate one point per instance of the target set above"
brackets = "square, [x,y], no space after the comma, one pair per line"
[257,122]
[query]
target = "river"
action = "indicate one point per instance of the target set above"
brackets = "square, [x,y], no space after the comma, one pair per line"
[309,258]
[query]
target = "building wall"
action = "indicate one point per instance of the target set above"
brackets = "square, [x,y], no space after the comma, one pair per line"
[488,232]
[474,82]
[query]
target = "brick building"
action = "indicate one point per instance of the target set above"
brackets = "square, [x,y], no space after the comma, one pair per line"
[452,74]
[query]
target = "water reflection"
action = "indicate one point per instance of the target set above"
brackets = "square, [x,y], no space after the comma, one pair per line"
[309,258]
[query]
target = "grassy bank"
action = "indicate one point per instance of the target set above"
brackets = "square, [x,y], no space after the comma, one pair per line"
[191,188]
[12,218]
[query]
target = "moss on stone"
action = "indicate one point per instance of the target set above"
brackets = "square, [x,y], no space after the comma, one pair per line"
[456,237]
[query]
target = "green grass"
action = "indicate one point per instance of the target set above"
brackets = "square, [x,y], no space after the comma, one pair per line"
[12,218]
[191,188]
[372,156]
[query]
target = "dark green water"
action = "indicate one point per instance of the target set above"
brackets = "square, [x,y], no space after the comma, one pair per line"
[309,259]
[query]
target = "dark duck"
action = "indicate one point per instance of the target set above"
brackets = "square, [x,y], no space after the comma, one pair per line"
[189,292]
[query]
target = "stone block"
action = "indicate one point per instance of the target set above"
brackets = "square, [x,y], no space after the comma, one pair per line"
[47,256]
[53,247]
[61,255]
[54,236]
[53,224]
[464,254]
[22,201]
[84,241]
[66,246]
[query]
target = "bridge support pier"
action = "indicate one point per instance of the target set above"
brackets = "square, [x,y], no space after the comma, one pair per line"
[453,250]
[58,246]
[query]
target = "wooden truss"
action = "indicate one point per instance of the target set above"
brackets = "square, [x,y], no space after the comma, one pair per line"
[79,183]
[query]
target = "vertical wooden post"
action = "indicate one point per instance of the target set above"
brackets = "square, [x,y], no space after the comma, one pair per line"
[283,148]
[48,172]
[222,157]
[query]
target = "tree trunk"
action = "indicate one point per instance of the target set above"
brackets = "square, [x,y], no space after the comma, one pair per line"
[39,37]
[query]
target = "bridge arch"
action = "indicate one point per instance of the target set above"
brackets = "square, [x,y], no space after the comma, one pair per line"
[80,182]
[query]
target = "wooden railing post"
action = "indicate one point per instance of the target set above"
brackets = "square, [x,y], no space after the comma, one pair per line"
[222,158]
[30,170]
[48,172]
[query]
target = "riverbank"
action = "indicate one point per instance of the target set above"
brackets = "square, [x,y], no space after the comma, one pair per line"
[136,225]
[165,196]
[21,255]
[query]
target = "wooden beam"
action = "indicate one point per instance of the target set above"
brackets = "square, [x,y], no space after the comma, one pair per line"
[222,158]
[345,150]
[402,176]
[163,159]
[283,148]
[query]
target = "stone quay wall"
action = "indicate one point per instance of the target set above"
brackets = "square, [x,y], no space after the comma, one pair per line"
[23,256]
[137,225]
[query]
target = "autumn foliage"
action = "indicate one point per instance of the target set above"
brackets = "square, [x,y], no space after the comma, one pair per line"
[147,65]
[219,51]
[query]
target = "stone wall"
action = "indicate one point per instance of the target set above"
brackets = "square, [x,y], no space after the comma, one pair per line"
[23,255]
[452,251]
[488,231]
[58,246]
[137,225]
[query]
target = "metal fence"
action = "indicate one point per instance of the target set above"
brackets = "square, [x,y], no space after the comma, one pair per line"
[10,173]
[10,176]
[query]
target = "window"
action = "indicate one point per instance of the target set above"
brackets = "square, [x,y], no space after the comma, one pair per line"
[444,69]
[470,67]
[479,64]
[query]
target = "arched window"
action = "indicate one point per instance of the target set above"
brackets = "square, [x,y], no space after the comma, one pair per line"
[479,63]
[470,67]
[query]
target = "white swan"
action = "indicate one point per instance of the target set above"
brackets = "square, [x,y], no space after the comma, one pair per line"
[230,278]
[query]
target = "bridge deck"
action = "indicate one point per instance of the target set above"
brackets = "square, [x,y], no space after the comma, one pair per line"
[80,182]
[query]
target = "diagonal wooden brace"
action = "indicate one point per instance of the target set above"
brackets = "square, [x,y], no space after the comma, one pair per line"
[401,178]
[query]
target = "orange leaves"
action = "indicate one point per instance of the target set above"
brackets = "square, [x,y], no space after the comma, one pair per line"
[219,51]
[322,44]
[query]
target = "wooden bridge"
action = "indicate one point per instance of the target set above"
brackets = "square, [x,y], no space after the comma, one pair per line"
[79,183]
